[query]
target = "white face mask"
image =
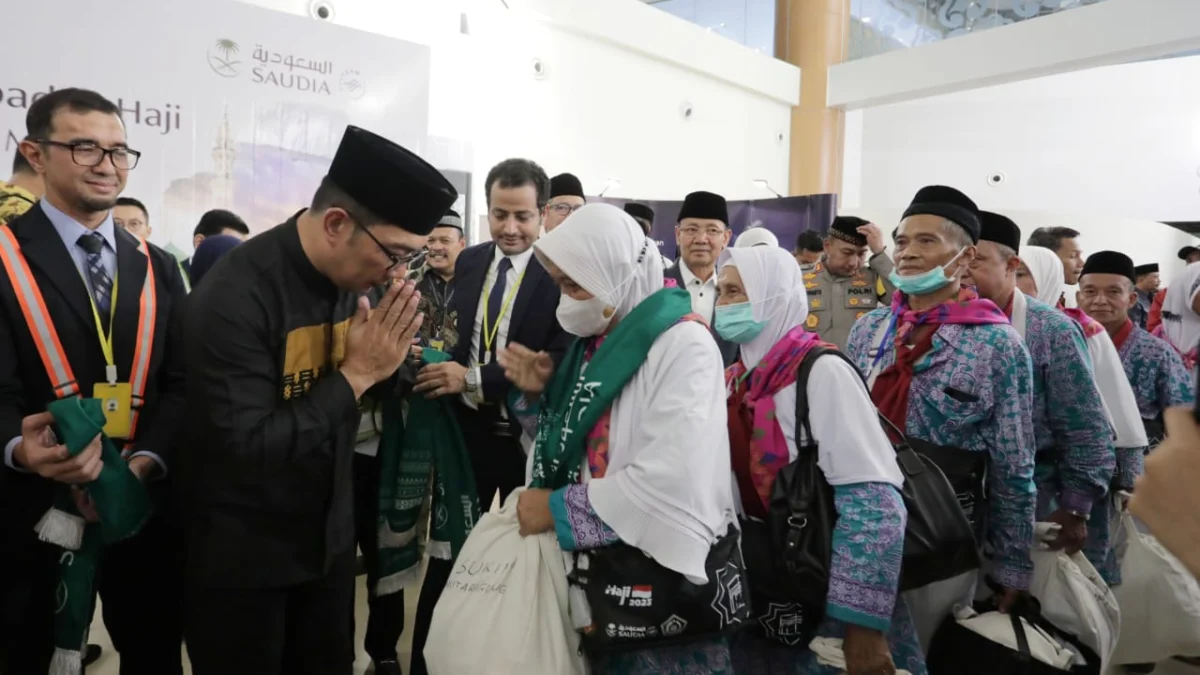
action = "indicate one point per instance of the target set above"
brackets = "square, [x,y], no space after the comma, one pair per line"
[584,318]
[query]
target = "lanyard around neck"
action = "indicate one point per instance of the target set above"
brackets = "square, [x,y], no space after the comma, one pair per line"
[106,339]
[489,336]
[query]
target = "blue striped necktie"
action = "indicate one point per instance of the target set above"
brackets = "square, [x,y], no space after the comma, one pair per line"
[98,277]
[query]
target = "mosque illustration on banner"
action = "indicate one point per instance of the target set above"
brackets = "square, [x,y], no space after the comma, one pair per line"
[264,180]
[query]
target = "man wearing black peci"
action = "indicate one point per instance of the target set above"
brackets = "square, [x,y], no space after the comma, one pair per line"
[502,296]
[280,348]
[702,234]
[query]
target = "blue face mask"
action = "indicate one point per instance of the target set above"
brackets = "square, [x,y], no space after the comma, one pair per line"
[736,323]
[923,284]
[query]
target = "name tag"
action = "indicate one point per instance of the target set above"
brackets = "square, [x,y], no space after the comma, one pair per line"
[116,400]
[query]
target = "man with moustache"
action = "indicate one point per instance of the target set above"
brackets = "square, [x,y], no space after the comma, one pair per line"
[847,283]
[702,234]
[280,348]
[62,260]
[1155,370]
[503,297]
[945,366]
[566,197]
[1075,453]
[1146,285]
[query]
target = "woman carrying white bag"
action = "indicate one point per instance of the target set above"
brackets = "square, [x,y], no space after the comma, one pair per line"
[632,451]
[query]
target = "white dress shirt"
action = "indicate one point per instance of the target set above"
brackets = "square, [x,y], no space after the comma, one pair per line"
[70,230]
[704,293]
[520,262]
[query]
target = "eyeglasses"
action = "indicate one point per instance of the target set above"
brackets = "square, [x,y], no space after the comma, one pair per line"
[414,259]
[86,153]
[692,232]
[565,209]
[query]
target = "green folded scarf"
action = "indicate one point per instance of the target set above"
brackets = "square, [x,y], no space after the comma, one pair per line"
[123,505]
[430,442]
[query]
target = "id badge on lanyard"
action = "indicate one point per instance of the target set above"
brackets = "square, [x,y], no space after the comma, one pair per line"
[116,398]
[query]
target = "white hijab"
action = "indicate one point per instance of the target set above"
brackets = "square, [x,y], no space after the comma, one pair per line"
[774,284]
[667,489]
[1047,271]
[756,236]
[604,250]
[847,453]
[1182,326]
[1115,392]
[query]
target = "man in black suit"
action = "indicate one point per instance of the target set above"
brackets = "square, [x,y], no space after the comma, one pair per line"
[503,295]
[702,234]
[74,255]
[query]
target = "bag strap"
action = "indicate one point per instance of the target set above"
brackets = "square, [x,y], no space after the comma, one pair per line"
[802,373]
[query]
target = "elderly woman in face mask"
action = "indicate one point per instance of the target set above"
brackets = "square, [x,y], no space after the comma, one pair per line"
[631,446]
[762,306]
[1041,275]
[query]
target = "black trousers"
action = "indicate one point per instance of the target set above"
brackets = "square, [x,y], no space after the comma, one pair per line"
[498,463]
[385,618]
[139,582]
[298,630]
[141,591]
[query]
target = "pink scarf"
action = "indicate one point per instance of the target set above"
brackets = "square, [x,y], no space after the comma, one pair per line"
[768,447]
[968,309]
[1091,327]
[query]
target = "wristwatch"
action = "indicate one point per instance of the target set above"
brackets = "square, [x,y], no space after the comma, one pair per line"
[472,381]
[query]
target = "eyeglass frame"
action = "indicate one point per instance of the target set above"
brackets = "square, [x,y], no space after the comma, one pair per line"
[558,208]
[396,260]
[706,232]
[105,153]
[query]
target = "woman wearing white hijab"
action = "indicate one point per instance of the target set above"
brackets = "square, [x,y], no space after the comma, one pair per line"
[637,453]
[1181,323]
[1041,275]
[762,306]
[756,236]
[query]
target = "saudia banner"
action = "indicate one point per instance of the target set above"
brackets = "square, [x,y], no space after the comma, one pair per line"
[231,106]
[785,217]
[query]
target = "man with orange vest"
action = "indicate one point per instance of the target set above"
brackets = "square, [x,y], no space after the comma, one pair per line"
[85,309]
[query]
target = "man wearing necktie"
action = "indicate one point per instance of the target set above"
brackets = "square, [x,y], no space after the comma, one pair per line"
[503,295]
[104,298]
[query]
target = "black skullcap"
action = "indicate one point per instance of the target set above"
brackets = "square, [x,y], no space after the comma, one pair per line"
[1142,270]
[393,183]
[846,229]
[1109,262]
[705,205]
[939,200]
[566,185]
[451,219]
[1000,229]
[640,211]
[1186,251]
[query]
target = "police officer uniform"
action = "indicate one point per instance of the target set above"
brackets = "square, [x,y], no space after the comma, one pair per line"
[835,303]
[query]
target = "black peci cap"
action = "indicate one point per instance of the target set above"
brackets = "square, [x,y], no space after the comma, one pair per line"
[846,229]
[640,211]
[395,184]
[705,205]
[951,204]
[566,185]
[1000,229]
[1109,262]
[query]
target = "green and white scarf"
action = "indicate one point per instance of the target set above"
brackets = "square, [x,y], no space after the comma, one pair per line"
[430,442]
[582,389]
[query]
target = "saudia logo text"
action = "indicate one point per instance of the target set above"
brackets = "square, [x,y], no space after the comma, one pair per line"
[285,71]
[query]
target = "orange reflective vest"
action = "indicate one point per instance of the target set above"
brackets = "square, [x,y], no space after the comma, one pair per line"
[45,336]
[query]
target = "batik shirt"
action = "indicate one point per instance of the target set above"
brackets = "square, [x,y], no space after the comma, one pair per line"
[1068,413]
[14,201]
[1159,380]
[991,410]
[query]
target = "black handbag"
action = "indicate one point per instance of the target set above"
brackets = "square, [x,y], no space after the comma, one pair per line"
[788,555]
[956,650]
[637,603]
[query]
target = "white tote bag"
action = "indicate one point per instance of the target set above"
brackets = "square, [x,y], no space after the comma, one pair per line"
[504,608]
[1159,599]
[1075,599]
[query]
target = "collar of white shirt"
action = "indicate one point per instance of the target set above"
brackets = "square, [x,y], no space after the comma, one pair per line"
[689,279]
[519,261]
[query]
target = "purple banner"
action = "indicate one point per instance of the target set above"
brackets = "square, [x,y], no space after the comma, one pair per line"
[786,217]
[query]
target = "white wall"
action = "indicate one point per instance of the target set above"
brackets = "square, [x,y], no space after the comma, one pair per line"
[617,74]
[1109,149]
